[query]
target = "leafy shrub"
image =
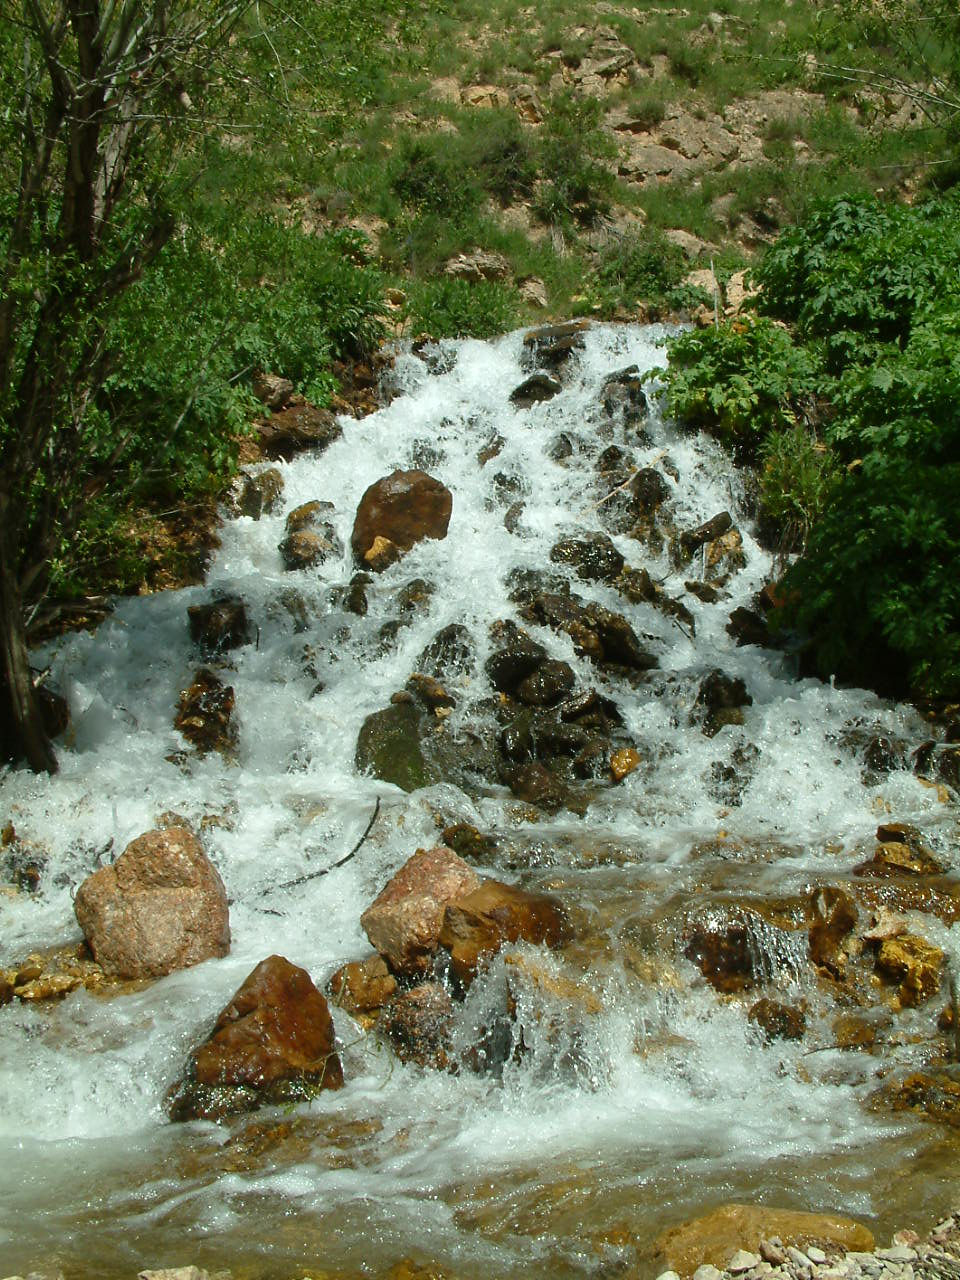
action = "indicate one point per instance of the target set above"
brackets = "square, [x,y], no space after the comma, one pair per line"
[427,176]
[577,184]
[799,478]
[449,308]
[647,268]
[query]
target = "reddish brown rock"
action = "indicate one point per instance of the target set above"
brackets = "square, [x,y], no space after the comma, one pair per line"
[736,951]
[161,906]
[476,926]
[404,921]
[205,714]
[297,427]
[403,509]
[900,857]
[363,986]
[834,916]
[778,1021]
[274,1042]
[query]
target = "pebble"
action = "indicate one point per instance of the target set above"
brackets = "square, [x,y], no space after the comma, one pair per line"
[816,1255]
[899,1253]
[742,1261]
[799,1258]
[707,1272]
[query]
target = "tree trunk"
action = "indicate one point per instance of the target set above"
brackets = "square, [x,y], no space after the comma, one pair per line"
[19,708]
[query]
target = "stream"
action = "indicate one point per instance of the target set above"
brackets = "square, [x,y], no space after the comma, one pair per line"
[645,1095]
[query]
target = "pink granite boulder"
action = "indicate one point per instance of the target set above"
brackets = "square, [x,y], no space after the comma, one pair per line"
[161,906]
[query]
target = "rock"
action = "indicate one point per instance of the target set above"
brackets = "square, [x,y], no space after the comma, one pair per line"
[271,390]
[404,921]
[381,554]
[552,344]
[896,857]
[418,1023]
[738,950]
[593,558]
[724,555]
[363,986]
[175,1273]
[714,1238]
[430,692]
[256,495]
[403,508]
[204,714]
[477,925]
[694,539]
[450,652]
[533,290]
[535,784]
[935,1094]
[389,746]
[834,917]
[300,426]
[310,538]
[777,1022]
[161,906]
[535,389]
[748,627]
[517,660]
[622,394]
[914,963]
[484,96]
[221,624]
[742,1261]
[527,104]
[596,632]
[548,685]
[623,762]
[479,265]
[273,1043]
[723,698]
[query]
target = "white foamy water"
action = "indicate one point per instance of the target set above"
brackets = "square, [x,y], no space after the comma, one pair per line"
[640,1099]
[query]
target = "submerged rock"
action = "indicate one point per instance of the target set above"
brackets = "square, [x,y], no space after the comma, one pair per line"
[222,624]
[404,921]
[205,714]
[477,925]
[419,1025]
[161,906]
[273,1043]
[402,509]
[534,390]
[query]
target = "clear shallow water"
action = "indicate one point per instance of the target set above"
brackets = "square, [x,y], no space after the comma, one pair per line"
[642,1100]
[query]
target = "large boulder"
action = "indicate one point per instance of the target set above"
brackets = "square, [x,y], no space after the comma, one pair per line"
[161,906]
[477,925]
[273,1043]
[297,427]
[404,921]
[402,509]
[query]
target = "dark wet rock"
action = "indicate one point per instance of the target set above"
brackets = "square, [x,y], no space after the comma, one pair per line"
[724,556]
[476,926]
[404,921]
[450,652]
[778,1021]
[414,596]
[222,624]
[623,394]
[833,917]
[161,906]
[205,714]
[883,754]
[390,747]
[54,710]
[590,710]
[729,779]
[553,344]
[596,632]
[694,539]
[363,986]
[546,686]
[492,449]
[912,962]
[593,759]
[468,842]
[418,1023]
[737,950]
[593,558]
[534,390]
[704,591]
[638,587]
[649,490]
[273,1043]
[299,426]
[311,539]
[516,741]
[722,697]
[356,597]
[535,784]
[402,509]
[525,585]
[748,627]
[508,666]
[271,389]
[255,495]
[512,518]
[560,448]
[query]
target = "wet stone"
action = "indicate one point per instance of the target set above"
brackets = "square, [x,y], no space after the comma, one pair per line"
[418,1023]
[363,986]
[623,395]
[220,625]
[593,558]
[390,747]
[546,686]
[534,390]
[403,509]
[777,1022]
[694,539]
[204,714]
[476,926]
[553,344]
[834,916]
[914,963]
[510,665]
[449,652]
[535,784]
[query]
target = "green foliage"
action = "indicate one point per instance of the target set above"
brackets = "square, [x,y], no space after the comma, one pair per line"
[644,268]
[799,478]
[449,308]
[739,380]
[577,185]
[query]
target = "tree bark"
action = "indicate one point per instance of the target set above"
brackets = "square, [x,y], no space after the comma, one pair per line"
[23,730]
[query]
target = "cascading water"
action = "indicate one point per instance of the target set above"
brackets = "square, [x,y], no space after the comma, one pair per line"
[644,1095]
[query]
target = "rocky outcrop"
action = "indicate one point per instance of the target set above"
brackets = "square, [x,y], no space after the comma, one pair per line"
[161,906]
[396,513]
[404,921]
[273,1043]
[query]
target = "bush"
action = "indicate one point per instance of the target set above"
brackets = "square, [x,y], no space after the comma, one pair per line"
[447,308]
[577,184]
[642,268]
